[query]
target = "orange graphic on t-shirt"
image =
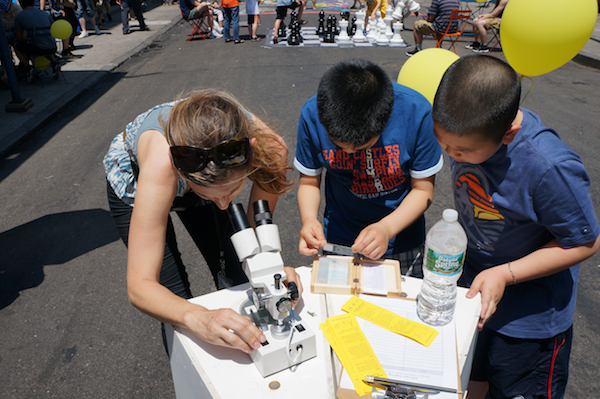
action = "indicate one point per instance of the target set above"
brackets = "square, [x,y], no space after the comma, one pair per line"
[482,202]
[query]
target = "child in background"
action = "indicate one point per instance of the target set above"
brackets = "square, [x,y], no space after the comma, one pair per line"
[253,18]
[372,7]
[375,139]
[523,198]
[282,7]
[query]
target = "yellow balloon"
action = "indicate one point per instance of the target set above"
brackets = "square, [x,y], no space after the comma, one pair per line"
[423,71]
[40,63]
[525,33]
[61,29]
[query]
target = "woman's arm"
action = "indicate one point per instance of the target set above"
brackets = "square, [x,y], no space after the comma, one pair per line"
[156,189]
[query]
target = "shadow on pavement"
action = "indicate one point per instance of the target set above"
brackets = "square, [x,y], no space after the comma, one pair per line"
[50,240]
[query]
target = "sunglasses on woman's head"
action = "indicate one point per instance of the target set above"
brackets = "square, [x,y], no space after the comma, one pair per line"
[227,154]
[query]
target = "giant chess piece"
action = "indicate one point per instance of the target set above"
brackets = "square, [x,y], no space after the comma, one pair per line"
[397,40]
[321,27]
[294,39]
[343,36]
[336,29]
[329,36]
[359,36]
[372,31]
[404,8]
[352,27]
[382,39]
[293,17]
[388,20]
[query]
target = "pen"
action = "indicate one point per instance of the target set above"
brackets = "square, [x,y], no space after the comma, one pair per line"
[409,271]
[371,380]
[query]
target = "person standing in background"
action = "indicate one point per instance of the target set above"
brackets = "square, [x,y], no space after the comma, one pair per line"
[136,7]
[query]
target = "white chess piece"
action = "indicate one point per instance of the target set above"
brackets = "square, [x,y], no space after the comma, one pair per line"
[388,26]
[404,8]
[397,40]
[343,36]
[359,36]
[372,33]
[382,39]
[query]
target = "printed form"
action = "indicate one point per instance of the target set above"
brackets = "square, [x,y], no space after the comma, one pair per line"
[407,360]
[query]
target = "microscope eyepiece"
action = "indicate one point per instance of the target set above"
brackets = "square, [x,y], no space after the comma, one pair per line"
[262,213]
[238,217]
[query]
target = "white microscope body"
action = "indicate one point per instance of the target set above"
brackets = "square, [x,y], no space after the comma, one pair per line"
[289,341]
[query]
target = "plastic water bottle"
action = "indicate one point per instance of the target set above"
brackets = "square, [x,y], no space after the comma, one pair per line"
[445,248]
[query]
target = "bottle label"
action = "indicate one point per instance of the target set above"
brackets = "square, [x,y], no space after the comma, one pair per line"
[447,265]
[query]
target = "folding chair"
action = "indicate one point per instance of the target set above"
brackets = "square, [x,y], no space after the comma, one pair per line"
[459,16]
[496,37]
[199,25]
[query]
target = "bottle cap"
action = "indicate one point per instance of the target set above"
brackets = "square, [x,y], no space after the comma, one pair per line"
[450,215]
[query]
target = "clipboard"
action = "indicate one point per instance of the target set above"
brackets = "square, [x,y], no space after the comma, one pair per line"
[350,393]
[349,276]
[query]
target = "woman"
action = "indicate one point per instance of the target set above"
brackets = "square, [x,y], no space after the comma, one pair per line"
[191,156]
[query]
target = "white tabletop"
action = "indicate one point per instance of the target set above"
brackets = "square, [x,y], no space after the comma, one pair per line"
[202,370]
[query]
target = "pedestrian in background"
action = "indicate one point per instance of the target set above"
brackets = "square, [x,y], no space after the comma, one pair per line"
[231,8]
[136,7]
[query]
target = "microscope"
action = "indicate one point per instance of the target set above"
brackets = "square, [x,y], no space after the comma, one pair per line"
[289,341]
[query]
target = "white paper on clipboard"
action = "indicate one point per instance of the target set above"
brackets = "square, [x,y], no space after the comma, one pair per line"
[406,360]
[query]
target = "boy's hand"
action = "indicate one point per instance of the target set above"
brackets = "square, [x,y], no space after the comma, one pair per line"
[372,241]
[491,283]
[311,237]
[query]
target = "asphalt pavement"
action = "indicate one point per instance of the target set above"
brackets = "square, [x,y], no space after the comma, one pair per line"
[67,329]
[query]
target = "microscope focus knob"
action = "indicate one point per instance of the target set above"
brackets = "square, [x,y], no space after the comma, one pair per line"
[284,305]
[258,300]
[293,290]
[277,281]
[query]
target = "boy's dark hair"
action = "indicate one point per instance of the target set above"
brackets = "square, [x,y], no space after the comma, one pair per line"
[478,95]
[27,3]
[355,101]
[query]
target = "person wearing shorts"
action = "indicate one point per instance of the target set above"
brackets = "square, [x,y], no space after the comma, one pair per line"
[192,9]
[282,7]
[548,357]
[482,24]
[253,21]
[438,19]
[86,7]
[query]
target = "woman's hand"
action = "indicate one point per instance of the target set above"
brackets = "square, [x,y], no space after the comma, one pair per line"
[224,327]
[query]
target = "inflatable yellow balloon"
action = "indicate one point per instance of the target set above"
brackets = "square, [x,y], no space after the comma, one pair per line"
[40,63]
[423,71]
[525,33]
[61,29]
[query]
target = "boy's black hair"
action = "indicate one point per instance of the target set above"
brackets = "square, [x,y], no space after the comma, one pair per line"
[27,3]
[478,95]
[355,100]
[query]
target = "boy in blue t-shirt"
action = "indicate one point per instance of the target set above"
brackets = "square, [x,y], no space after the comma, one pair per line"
[375,140]
[523,199]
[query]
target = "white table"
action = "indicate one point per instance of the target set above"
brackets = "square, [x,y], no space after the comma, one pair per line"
[202,370]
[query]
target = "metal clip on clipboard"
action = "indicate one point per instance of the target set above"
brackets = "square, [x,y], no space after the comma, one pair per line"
[394,390]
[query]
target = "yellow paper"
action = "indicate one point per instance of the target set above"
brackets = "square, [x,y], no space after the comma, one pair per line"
[421,333]
[352,348]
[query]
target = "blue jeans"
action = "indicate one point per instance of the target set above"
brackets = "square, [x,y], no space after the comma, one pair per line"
[232,14]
